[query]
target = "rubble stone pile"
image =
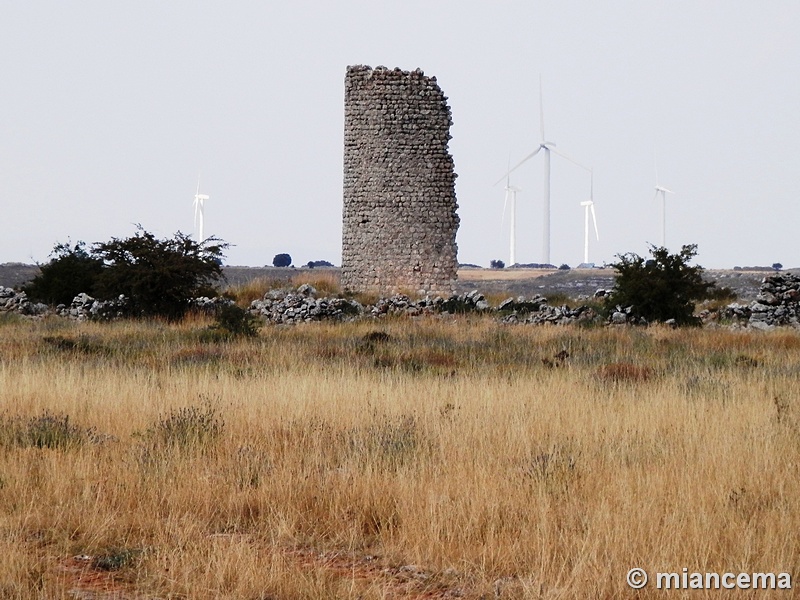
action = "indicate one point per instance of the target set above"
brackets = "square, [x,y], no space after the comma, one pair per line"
[211,305]
[400,304]
[399,218]
[284,306]
[537,311]
[777,304]
[301,305]
[11,301]
[85,308]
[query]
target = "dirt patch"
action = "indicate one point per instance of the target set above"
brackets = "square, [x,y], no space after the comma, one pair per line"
[84,581]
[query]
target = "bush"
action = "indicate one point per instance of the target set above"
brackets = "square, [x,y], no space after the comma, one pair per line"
[312,264]
[158,277]
[282,260]
[664,287]
[235,321]
[71,271]
[497,264]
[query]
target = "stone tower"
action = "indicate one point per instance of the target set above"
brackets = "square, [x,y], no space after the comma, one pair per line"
[399,219]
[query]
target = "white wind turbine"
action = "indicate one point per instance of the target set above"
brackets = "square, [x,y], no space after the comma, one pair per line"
[511,198]
[199,209]
[589,206]
[663,191]
[547,147]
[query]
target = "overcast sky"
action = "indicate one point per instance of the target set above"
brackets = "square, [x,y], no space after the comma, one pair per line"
[111,109]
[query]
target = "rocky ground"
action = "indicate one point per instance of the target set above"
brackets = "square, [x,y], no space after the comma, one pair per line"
[14,274]
[576,283]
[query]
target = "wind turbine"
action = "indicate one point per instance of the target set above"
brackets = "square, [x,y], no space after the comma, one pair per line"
[547,147]
[663,191]
[511,198]
[589,206]
[199,207]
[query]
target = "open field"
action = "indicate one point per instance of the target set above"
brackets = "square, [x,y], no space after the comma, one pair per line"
[501,274]
[451,457]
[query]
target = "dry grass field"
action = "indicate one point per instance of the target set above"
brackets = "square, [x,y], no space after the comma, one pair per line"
[442,458]
[480,275]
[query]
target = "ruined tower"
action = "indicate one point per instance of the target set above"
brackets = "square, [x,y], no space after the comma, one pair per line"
[399,219]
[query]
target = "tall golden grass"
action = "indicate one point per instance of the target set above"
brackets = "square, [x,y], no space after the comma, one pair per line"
[452,456]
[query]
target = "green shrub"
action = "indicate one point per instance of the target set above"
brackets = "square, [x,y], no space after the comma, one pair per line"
[159,277]
[235,321]
[661,288]
[71,271]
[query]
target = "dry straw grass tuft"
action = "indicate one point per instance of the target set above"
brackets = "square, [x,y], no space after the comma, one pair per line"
[624,372]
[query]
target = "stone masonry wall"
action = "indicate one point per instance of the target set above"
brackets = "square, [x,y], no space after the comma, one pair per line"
[399,217]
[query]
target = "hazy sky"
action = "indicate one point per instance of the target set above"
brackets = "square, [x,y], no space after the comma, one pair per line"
[111,109]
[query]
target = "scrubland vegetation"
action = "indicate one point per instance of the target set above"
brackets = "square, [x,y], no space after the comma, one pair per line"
[445,457]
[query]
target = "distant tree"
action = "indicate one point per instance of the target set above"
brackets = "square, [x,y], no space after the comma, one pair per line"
[318,263]
[159,277]
[661,288]
[497,264]
[70,271]
[777,266]
[564,267]
[281,260]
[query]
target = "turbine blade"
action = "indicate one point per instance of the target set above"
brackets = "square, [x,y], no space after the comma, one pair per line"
[655,164]
[594,220]
[656,196]
[572,160]
[519,164]
[541,109]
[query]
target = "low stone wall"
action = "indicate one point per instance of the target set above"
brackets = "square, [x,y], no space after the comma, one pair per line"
[777,305]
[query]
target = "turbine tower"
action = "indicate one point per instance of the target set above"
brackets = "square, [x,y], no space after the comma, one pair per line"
[589,206]
[199,208]
[663,191]
[511,198]
[547,147]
